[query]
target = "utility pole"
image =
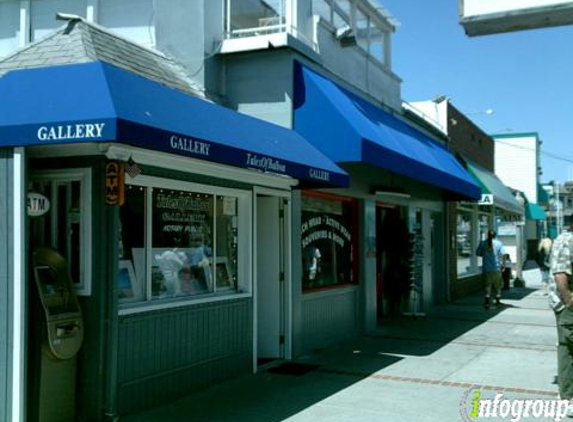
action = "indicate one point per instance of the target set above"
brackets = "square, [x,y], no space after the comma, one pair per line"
[557,205]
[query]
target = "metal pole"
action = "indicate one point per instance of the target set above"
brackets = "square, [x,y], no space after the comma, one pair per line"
[557,209]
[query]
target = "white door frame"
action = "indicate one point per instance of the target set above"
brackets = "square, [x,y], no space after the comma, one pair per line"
[19,323]
[287,299]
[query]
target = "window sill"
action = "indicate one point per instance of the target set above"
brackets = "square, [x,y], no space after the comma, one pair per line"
[266,42]
[468,275]
[335,289]
[131,309]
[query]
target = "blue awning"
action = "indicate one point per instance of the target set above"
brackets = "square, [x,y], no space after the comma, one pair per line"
[349,129]
[97,102]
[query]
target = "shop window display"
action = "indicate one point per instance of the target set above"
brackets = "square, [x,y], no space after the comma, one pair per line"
[464,242]
[192,246]
[182,243]
[328,236]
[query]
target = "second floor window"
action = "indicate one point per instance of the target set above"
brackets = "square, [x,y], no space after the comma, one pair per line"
[371,30]
[255,17]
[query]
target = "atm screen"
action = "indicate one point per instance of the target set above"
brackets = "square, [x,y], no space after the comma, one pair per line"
[46,275]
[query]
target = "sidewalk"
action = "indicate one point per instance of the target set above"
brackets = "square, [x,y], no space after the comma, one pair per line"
[412,370]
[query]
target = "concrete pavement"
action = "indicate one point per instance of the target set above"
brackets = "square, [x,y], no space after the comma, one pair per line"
[411,369]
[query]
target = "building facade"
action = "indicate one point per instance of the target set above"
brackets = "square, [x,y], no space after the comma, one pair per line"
[166,223]
[498,208]
[294,266]
[336,87]
[557,200]
[518,165]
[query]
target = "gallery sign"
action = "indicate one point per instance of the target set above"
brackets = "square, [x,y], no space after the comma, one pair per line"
[71,132]
[193,146]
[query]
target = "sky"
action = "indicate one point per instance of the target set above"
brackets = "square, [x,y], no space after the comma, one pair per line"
[525,77]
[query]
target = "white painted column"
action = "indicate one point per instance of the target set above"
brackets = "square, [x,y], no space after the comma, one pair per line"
[19,287]
[25,8]
[92,11]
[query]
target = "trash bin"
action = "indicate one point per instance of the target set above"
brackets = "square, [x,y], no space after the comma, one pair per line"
[56,339]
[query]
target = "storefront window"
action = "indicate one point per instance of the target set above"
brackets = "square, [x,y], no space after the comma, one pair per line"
[328,236]
[483,220]
[186,245]
[472,226]
[132,258]
[464,235]
[182,243]
[226,243]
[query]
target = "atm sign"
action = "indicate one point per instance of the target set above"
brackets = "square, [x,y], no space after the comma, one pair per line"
[114,184]
[38,204]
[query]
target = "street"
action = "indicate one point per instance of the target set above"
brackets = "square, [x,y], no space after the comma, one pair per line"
[412,369]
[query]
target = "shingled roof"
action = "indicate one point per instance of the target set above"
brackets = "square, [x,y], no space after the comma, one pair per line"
[80,41]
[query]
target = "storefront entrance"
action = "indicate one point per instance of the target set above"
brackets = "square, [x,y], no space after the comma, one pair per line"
[272,277]
[392,263]
[59,230]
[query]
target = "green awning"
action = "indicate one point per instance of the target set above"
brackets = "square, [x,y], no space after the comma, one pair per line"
[491,186]
[542,195]
[534,212]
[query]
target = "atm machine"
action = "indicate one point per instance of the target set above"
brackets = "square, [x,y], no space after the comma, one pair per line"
[58,327]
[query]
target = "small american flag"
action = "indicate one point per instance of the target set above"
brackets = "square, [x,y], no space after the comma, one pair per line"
[132,168]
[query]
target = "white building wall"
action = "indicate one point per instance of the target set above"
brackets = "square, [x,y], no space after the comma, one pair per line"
[355,67]
[192,32]
[9,27]
[516,163]
[43,15]
[435,113]
[260,85]
[133,19]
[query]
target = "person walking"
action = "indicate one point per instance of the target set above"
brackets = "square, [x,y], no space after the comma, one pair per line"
[492,251]
[543,255]
[562,269]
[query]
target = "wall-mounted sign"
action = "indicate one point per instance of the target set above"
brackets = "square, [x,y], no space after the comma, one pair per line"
[114,184]
[191,145]
[265,163]
[319,174]
[38,204]
[506,230]
[486,199]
